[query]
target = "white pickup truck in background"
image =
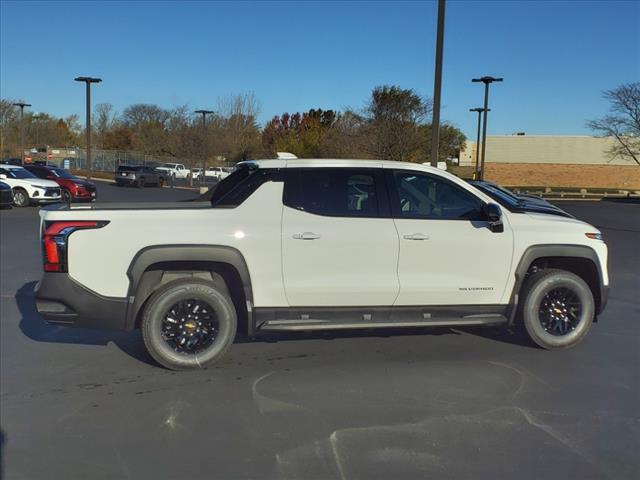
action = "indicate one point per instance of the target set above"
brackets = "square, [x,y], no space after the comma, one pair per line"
[291,245]
[174,170]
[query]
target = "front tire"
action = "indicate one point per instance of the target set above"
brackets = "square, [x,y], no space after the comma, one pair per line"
[66,196]
[188,324]
[558,308]
[20,197]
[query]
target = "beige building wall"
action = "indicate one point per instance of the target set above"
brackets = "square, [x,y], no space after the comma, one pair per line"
[578,150]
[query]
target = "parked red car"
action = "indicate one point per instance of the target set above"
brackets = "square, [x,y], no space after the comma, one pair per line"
[73,189]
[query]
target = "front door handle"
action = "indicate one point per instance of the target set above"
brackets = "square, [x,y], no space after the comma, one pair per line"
[306,236]
[416,236]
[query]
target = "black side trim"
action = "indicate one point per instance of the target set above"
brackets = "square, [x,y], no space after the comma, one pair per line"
[60,300]
[535,252]
[158,254]
[332,318]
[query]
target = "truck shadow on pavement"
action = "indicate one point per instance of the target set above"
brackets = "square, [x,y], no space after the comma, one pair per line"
[34,327]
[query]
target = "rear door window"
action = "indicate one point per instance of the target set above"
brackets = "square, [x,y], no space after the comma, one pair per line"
[336,192]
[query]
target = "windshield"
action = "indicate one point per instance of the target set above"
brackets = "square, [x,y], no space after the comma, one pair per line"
[18,173]
[60,173]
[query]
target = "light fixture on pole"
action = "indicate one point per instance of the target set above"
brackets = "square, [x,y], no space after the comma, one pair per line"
[22,105]
[204,114]
[486,80]
[88,81]
[476,172]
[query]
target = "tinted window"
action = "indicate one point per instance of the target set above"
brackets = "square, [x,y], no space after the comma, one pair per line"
[37,171]
[245,187]
[421,195]
[129,168]
[336,192]
[19,173]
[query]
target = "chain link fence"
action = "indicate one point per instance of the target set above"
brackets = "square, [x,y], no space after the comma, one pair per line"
[109,160]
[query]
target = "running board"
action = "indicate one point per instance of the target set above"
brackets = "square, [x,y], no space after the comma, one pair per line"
[303,325]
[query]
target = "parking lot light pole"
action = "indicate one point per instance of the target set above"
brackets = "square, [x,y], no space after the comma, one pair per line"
[486,80]
[475,170]
[22,105]
[437,86]
[204,114]
[88,81]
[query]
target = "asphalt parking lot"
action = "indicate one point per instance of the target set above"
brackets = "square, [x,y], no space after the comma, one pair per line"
[417,403]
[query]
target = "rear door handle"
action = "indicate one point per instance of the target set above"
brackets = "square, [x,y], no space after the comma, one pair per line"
[306,236]
[416,236]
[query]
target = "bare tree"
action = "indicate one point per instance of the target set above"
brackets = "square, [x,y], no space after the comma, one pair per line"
[8,118]
[242,136]
[622,122]
[103,120]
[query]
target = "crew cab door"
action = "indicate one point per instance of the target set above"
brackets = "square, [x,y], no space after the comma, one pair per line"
[448,253]
[339,243]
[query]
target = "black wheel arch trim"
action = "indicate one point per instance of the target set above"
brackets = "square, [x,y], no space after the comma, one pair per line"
[535,252]
[156,254]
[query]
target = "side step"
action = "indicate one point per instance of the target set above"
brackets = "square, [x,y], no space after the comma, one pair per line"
[347,320]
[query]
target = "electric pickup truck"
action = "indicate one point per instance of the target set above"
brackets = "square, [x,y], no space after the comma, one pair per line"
[300,245]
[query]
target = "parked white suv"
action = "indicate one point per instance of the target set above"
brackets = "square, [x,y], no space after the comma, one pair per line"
[217,172]
[174,170]
[316,245]
[27,188]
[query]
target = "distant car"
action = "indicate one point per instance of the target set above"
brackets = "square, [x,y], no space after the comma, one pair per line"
[11,161]
[73,189]
[139,176]
[27,188]
[515,202]
[217,172]
[174,170]
[6,195]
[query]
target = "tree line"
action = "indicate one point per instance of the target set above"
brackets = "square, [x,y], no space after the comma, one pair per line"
[393,124]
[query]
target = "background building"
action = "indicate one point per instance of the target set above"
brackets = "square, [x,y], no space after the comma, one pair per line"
[554,161]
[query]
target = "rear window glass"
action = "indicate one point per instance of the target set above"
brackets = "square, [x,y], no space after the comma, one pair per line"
[129,168]
[337,192]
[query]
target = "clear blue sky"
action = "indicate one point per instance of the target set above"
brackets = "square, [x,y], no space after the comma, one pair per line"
[556,57]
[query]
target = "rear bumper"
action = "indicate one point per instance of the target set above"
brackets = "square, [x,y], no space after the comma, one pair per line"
[62,301]
[126,181]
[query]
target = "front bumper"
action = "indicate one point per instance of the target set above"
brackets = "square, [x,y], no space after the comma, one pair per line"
[62,301]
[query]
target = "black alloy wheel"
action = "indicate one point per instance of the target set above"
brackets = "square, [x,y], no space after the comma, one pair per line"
[190,326]
[560,311]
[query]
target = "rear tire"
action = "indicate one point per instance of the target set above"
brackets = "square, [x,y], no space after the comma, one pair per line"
[20,197]
[141,183]
[163,316]
[557,308]
[160,182]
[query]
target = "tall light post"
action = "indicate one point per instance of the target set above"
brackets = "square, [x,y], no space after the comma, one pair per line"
[487,81]
[22,105]
[88,81]
[437,86]
[204,114]
[480,110]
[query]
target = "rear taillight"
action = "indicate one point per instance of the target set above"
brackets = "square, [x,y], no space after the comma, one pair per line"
[54,242]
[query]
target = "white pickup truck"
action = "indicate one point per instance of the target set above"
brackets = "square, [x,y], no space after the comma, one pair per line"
[174,170]
[315,245]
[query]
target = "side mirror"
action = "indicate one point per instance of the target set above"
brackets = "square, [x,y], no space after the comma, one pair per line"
[494,217]
[3,176]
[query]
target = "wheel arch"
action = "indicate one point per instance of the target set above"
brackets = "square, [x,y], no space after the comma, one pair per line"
[154,266]
[578,259]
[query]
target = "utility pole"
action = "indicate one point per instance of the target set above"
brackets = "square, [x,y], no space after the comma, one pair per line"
[22,105]
[437,86]
[88,81]
[486,80]
[476,172]
[204,114]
